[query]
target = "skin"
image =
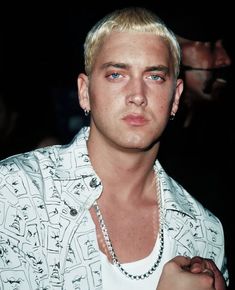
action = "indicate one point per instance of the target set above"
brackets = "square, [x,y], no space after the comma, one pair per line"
[197,273]
[130,94]
[205,55]
[202,86]
[202,265]
[130,109]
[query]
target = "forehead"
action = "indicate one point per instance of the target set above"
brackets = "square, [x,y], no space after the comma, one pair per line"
[136,45]
[198,44]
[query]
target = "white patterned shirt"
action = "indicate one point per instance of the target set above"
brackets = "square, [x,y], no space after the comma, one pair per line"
[47,236]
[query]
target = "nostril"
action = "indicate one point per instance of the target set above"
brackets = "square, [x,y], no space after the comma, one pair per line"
[137,99]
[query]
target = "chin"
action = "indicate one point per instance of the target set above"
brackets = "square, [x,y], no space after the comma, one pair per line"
[140,143]
[134,144]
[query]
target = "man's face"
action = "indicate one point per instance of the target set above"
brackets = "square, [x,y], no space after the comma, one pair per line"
[204,63]
[131,90]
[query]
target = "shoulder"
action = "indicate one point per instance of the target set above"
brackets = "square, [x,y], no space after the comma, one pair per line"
[192,228]
[191,224]
[30,162]
[177,198]
[188,217]
[24,174]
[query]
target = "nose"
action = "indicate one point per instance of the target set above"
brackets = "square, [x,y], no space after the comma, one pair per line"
[137,93]
[222,58]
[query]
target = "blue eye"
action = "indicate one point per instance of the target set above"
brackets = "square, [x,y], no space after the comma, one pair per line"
[115,75]
[155,77]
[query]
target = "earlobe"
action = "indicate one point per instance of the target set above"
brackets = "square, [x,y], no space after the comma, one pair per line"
[177,95]
[83,93]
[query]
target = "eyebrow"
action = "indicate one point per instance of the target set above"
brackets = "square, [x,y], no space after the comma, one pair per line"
[161,68]
[115,65]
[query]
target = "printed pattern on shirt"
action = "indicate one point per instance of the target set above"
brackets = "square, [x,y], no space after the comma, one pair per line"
[47,237]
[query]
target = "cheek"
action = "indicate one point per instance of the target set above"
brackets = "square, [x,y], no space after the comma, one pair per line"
[102,105]
[190,57]
[207,62]
[197,57]
[160,110]
[97,98]
[100,96]
[193,79]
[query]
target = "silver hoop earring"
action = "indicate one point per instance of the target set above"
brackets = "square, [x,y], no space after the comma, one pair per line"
[172,117]
[86,112]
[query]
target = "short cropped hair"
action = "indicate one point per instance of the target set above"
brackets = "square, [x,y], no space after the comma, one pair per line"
[136,19]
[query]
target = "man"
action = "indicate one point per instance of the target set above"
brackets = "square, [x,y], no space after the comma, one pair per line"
[206,62]
[101,212]
[201,156]
[205,66]
[202,126]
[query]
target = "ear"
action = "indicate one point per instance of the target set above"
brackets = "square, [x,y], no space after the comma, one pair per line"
[177,95]
[83,94]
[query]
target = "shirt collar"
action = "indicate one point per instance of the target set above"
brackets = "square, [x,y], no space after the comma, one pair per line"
[74,166]
[74,163]
[174,196]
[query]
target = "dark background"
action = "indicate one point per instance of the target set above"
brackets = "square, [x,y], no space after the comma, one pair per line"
[43,50]
[42,54]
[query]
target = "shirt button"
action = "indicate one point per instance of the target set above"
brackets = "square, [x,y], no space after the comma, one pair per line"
[73,211]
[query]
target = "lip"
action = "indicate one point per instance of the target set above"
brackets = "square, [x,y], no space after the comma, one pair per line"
[135,120]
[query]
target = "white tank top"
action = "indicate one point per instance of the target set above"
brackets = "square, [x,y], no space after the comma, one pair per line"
[113,279]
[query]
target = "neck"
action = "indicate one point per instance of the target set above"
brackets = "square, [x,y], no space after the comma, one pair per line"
[128,173]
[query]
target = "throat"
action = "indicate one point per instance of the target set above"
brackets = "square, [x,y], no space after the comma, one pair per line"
[133,234]
[127,236]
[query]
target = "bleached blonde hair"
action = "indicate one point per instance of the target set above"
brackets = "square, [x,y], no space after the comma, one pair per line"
[135,19]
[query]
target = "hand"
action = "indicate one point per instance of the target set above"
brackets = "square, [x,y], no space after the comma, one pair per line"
[182,273]
[202,265]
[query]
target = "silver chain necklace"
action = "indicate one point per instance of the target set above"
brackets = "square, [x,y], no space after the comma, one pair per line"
[108,243]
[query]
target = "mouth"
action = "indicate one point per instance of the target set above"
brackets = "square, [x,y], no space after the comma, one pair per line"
[218,88]
[219,83]
[215,85]
[135,120]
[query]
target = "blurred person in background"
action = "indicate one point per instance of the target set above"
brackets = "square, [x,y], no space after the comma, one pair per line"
[202,124]
[198,144]
[205,67]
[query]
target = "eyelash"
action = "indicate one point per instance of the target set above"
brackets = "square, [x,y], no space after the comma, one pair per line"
[157,77]
[154,77]
[115,75]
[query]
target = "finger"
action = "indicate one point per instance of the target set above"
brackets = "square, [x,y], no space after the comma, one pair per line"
[196,268]
[219,278]
[210,264]
[209,273]
[210,269]
[197,265]
[197,259]
[182,261]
